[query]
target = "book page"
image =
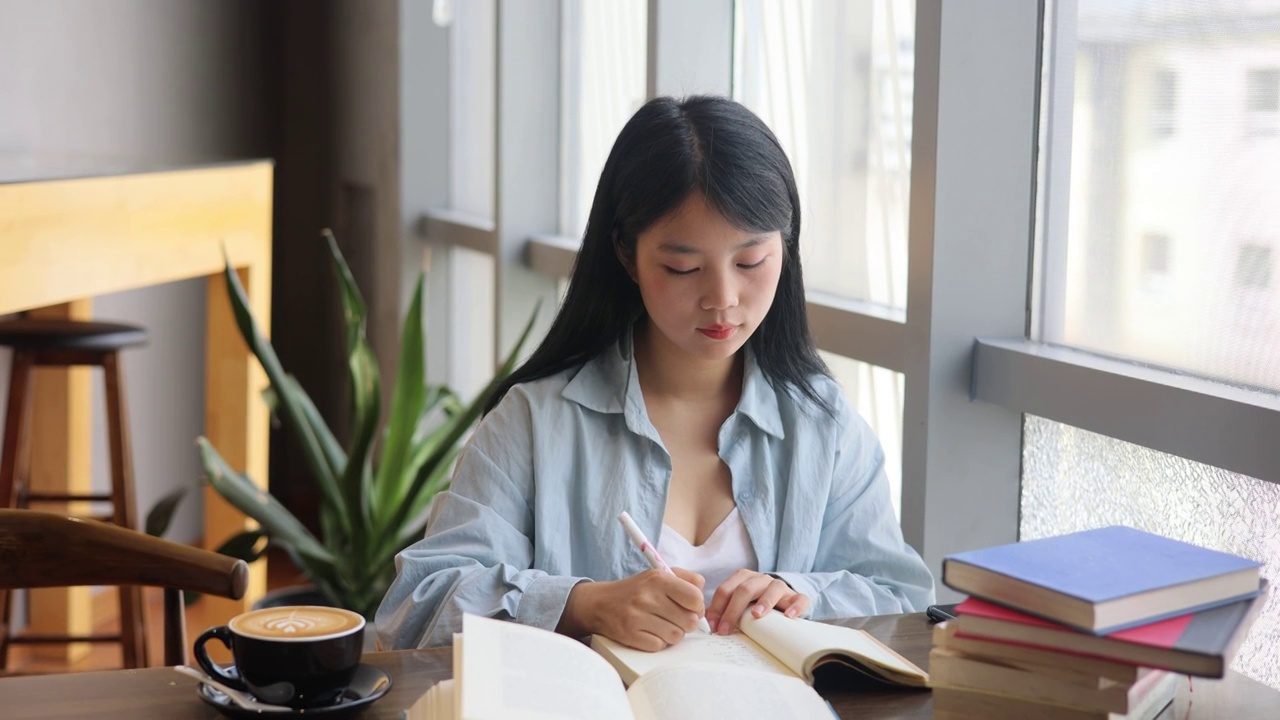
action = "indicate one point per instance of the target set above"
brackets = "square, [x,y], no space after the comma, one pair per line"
[696,647]
[802,645]
[705,692]
[438,703]
[514,672]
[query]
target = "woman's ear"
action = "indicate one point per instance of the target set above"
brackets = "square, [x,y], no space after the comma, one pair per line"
[628,261]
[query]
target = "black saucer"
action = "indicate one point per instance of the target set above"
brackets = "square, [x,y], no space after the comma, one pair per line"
[368,685]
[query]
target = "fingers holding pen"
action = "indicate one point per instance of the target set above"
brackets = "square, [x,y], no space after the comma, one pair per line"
[651,610]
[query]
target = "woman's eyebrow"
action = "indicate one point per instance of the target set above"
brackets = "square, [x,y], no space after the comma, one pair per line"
[678,248]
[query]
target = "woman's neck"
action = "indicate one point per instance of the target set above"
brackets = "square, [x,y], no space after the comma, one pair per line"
[667,372]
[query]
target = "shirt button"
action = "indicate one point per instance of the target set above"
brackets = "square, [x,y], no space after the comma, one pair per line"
[744,497]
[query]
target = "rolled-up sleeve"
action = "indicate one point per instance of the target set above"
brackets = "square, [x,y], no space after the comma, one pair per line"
[862,565]
[477,554]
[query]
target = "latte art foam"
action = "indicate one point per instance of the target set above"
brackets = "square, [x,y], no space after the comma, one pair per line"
[299,622]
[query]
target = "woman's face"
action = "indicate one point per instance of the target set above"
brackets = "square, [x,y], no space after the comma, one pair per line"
[706,284]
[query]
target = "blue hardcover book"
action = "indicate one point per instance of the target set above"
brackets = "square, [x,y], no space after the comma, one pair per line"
[1103,580]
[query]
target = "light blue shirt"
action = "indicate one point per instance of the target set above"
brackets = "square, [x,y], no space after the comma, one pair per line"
[534,502]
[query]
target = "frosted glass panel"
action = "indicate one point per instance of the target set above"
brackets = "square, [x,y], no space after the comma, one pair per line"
[834,80]
[1076,480]
[876,393]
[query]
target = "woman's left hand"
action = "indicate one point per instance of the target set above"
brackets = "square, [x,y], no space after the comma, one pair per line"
[760,592]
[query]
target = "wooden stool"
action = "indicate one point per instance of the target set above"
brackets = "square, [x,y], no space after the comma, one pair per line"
[63,343]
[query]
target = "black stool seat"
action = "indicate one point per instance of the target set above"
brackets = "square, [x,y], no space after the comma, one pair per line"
[42,334]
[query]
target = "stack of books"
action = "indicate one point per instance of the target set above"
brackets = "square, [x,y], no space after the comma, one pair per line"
[1096,624]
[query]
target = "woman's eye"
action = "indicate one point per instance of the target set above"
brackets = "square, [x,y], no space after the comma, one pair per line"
[754,265]
[675,271]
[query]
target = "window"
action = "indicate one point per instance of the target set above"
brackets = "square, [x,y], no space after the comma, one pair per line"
[1262,101]
[1253,267]
[1211,189]
[471,186]
[876,393]
[1040,393]
[1156,248]
[602,85]
[833,79]
[1164,102]
[1264,90]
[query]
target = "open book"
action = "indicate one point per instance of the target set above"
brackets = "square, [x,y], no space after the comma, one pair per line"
[506,671]
[775,643]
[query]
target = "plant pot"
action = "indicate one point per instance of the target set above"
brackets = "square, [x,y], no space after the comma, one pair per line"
[309,595]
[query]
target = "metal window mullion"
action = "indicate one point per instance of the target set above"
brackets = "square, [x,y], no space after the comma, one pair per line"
[969,244]
[862,331]
[552,255]
[1055,194]
[527,159]
[457,229]
[1225,426]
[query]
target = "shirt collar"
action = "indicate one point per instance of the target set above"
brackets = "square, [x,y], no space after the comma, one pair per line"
[608,383]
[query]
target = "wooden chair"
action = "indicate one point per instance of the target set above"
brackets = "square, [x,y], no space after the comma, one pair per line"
[42,549]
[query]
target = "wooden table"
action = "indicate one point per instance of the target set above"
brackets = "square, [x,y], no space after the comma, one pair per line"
[162,693]
[73,228]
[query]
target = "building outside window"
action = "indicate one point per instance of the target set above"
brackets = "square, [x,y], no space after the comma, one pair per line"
[1213,189]
[1262,99]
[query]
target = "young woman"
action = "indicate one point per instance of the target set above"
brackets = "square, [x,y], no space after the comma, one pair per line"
[679,383]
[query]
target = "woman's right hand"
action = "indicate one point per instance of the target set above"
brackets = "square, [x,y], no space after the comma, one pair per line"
[647,611]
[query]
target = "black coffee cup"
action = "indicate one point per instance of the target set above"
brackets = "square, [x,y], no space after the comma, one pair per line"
[300,656]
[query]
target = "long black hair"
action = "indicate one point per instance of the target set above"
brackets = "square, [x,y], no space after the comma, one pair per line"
[668,150]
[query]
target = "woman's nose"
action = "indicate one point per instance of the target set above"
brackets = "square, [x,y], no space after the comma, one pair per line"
[720,292]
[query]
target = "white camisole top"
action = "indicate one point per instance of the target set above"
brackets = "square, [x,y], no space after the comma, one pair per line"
[727,550]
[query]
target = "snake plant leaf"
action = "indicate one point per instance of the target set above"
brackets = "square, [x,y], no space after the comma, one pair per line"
[244,545]
[366,397]
[437,482]
[258,504]
[353,308]
[422,450]
[357,476]
[292,413]
[434,395]
[161,515]
[409,402]
[327,445]
[460,424]
[366,514]
[332,449]
[425,445]
[331,503]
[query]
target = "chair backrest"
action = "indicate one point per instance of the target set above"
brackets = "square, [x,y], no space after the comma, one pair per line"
[43,549]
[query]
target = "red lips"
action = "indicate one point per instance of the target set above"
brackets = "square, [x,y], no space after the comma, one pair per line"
[717,332]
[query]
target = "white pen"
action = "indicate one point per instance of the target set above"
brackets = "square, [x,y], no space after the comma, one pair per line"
[651,554]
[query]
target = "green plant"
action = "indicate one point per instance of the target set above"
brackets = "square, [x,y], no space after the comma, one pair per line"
[373,501]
